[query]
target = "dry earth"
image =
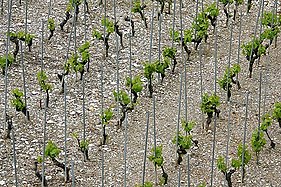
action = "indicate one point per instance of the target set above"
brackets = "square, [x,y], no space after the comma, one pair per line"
[29,134]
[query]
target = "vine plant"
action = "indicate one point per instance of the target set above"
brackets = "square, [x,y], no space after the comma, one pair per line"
[266,122]
[83,145]
[226,3]
[277,112]
[162,5]
[209,106]
[18,103]
[187,38]
[42,80]
[25,37]
[105,118]
[138,8]
[160,67]
[3,61]
[38,173]
[258,142]
[135,85]
[157,159]
[237,3]
[124,100]
[188,126]
[109,29]
[51,27]
[52,152]
[254,49]
[170,52]
[184,144]
[228,78]
[235,163]
[149,70]
[212,13]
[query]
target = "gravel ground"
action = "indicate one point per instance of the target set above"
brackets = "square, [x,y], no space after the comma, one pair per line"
[29,134]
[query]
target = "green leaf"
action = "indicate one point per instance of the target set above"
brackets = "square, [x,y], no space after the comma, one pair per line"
[135,83]
[96,34]
[107,116]
[184,141]
[136,6]
[52,150]
[187,125]
[169,52]
[42,78]
[266,122]
[209,103]
[51,24]
[258,141]
[156,156]
[17,101]
[122,97]
[277,111]
[39,159]
[221,165]
[149,69]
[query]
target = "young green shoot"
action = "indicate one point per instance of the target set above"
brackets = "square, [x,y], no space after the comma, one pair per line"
[124,100]
[51,27]
[170,52]
[46,87]
[277,112]
[83,145]
[109,29]
[236,163]
[258,142]
[135,85]
[228,78]
[184,144]
[3,61]
[52,152]
[138,8]
[209,106]
[157,159]
[105,118]
[149,70]
[265,124]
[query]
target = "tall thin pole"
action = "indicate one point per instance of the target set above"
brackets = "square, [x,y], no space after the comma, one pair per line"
[6,66]
[145,148]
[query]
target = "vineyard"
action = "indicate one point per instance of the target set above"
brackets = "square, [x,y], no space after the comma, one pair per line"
[140,93]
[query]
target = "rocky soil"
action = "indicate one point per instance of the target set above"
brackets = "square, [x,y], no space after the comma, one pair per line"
[29,134]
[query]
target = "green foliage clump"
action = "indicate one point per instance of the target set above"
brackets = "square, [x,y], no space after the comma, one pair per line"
[122,97]
[237,163]
[277,112]
[228,78]
[161,67]
[169,52]
[96,34]
[107,116]
[187,125]
[17,101]
[209,103]
[42,78]
[258,141]
[266,122]
[200,26]
[136,6]
[146,184]
[3,61]
[184,142]
[135,84]
[108,24]
[156,156]
[149,69]
[52,150]
[84,52]
[51,24]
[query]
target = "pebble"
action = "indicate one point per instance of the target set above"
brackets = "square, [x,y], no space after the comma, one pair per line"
[2,182]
